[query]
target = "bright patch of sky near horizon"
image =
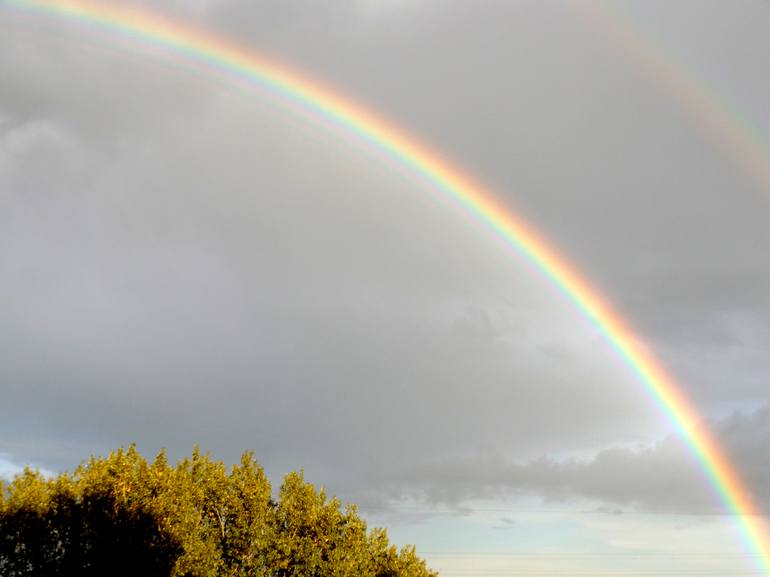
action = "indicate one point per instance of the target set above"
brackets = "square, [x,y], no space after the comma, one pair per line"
[183,261]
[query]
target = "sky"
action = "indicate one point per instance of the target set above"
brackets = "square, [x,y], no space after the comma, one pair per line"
[184,259]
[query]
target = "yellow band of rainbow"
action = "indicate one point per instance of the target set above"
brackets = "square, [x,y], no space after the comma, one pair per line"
[222,56]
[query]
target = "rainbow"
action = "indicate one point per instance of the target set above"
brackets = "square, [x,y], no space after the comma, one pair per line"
[726,129]
[223,57]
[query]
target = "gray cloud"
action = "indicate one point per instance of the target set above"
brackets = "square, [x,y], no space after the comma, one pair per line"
[183,260]
[663,477]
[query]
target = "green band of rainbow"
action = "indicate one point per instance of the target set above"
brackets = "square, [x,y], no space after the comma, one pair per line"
[222,56]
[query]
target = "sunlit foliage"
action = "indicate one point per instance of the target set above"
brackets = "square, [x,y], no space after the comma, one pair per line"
[124,516]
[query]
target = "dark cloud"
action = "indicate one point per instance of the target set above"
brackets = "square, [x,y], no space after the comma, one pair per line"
[661,478]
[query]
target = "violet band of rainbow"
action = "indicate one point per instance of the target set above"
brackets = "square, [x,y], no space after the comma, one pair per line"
[222,56]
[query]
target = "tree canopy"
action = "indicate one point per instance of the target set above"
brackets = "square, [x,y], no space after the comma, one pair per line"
[124,516]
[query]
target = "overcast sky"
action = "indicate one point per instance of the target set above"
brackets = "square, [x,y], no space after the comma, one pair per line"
[185,260]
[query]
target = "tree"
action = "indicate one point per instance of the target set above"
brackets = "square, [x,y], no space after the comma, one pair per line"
[123,516]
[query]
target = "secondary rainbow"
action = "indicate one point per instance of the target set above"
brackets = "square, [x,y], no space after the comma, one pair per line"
[721,124]
[222,56]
